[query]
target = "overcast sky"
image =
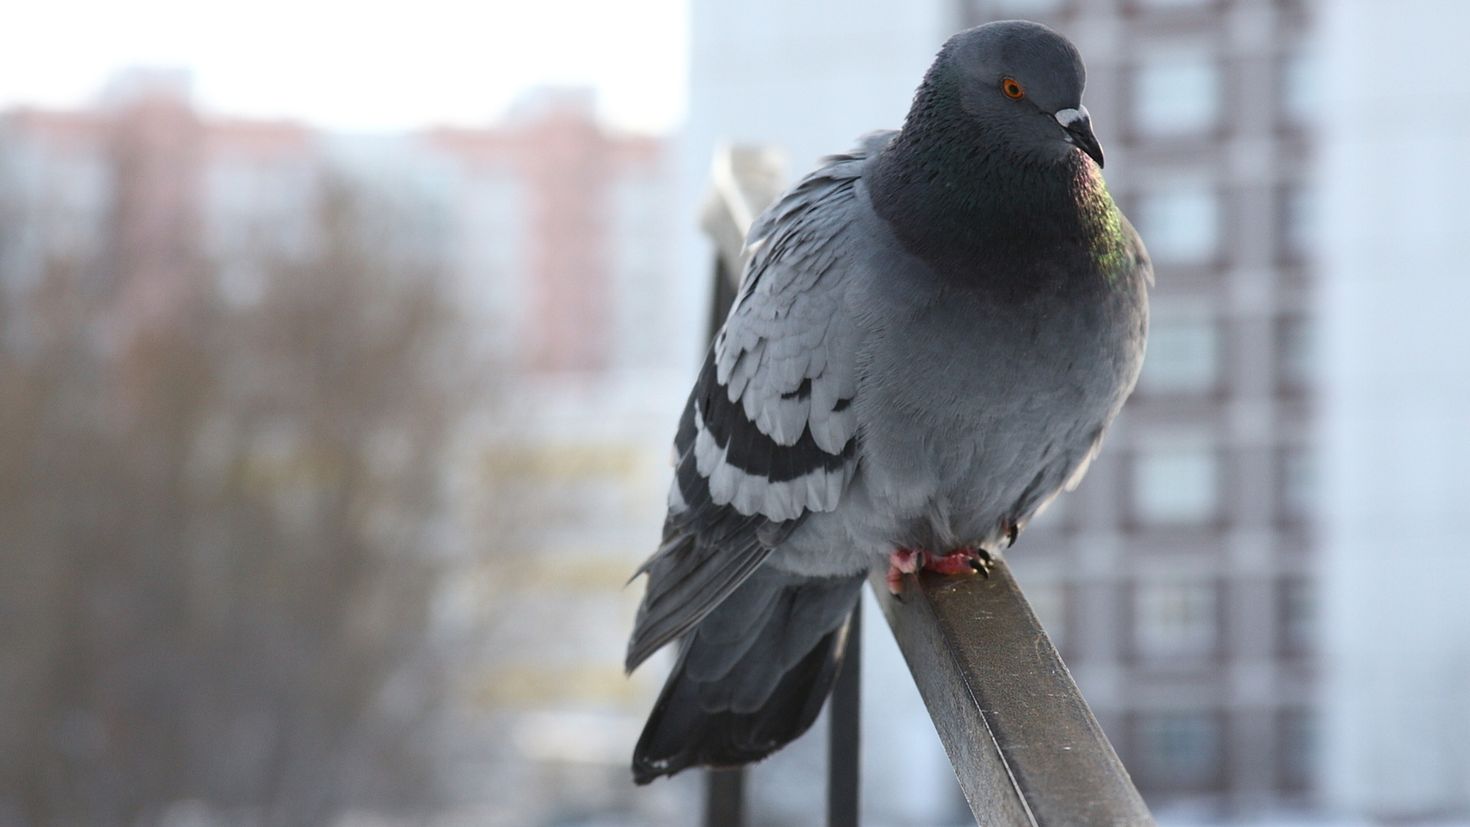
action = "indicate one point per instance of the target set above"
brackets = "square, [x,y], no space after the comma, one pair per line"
[356,65]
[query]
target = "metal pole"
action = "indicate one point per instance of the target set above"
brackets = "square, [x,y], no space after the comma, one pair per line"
[844,790]
[724,798]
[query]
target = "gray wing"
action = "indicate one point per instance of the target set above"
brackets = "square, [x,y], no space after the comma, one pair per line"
[769,433]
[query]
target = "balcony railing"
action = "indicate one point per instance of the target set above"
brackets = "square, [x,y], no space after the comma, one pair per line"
[1025,747]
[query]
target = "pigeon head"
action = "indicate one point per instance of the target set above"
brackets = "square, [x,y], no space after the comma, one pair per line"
[996,154]
[1021,83]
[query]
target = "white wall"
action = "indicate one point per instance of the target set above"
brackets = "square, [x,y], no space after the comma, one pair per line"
[1396,411]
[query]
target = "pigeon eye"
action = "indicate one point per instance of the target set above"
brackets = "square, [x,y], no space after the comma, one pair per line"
[1012,89]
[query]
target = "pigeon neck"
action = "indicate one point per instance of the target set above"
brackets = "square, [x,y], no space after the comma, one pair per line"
[956,195]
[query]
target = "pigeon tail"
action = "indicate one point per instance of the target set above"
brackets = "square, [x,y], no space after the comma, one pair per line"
[752,676]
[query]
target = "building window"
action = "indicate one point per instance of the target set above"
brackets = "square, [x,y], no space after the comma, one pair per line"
[1176,94]
[1297,749]
[1296,363]
[1176,484]
[1300,84]
[1173,620]
[1296,485]
[1180,224]
[1297,226]
[1183,354]
[1179,749]
[1298,606]
[493,223]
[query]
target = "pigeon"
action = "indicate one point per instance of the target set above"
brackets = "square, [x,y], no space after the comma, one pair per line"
[931,335]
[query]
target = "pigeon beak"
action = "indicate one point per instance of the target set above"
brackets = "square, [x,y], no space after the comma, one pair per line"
[1078,125]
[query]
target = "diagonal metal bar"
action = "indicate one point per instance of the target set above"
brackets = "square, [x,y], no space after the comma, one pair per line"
[1025,747]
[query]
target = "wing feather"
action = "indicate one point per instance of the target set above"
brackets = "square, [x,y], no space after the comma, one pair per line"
[768,435]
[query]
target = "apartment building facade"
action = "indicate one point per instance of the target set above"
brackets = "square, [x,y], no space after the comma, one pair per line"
[1180,580]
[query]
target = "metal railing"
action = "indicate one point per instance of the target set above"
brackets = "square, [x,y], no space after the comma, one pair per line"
[1024,745]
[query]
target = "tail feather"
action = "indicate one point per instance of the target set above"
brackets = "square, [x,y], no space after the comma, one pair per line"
[752,676]
[687,578]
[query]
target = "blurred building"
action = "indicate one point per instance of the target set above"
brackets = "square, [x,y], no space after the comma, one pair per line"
[578,213]
[564,497]
[151,188]
[68,175]
[1180,580]
[552,225]
[564,480]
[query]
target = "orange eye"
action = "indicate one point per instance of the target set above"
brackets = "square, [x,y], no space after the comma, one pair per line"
[1012,89]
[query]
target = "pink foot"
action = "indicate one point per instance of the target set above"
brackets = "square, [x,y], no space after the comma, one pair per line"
[961,561]
[902,561]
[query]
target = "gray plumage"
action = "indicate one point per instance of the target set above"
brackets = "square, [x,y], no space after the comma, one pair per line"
[932,334]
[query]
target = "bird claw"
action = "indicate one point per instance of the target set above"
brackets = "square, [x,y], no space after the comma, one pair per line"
[982,562]
[961,561]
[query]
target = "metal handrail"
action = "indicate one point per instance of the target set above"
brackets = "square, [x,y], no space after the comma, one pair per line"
[1025,747]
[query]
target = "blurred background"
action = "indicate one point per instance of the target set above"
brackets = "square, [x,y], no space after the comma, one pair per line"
[341,350]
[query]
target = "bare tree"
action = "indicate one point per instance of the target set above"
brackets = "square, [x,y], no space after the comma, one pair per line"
[218,534]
